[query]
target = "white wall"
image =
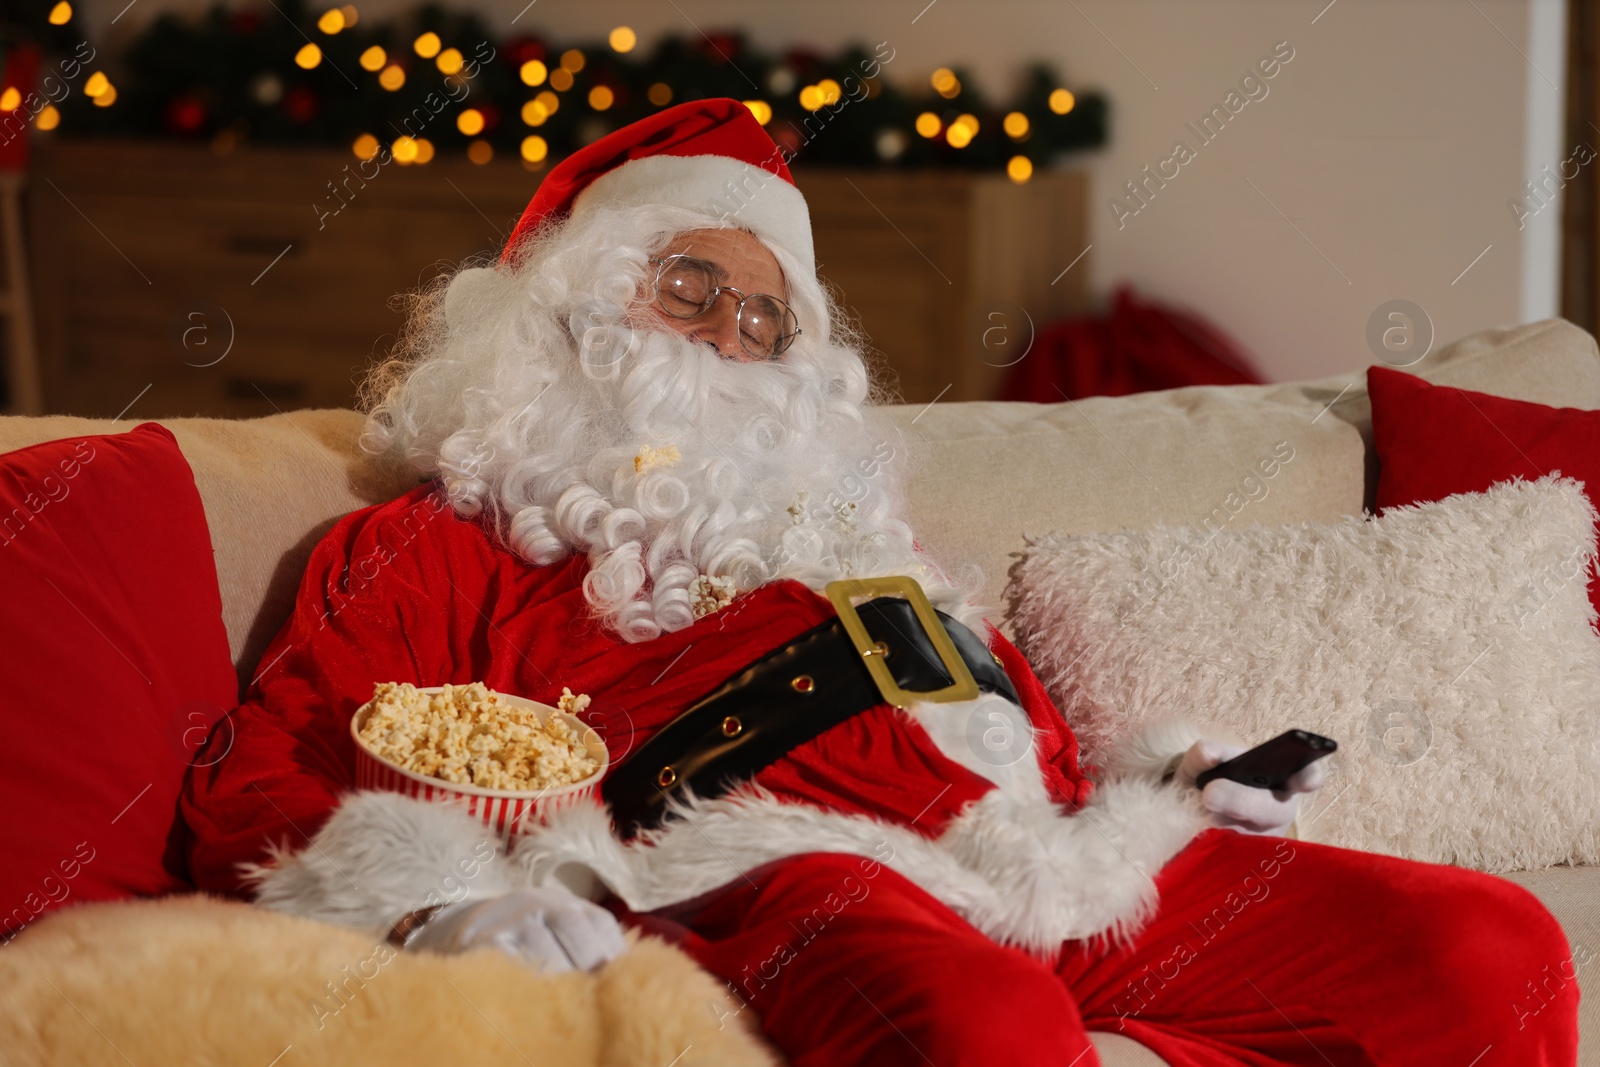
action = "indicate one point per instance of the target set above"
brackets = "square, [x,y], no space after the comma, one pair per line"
[1378,166]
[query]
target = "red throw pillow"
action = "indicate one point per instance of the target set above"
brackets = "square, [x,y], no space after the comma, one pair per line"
[1434,441]
[115,663]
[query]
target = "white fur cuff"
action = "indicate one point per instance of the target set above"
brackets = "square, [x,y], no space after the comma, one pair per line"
[379,856]
[1153,749]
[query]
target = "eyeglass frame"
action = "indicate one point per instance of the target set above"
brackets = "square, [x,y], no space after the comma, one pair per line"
[711,301]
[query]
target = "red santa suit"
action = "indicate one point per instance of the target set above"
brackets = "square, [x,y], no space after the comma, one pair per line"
[882,900]
[409,592]
[882,893]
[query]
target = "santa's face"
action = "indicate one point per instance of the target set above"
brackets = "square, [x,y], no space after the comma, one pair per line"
[741,262]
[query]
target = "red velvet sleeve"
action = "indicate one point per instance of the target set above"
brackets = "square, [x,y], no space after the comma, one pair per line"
[1056,747]
[275,768]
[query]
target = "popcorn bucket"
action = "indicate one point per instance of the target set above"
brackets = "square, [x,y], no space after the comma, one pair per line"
[502,810]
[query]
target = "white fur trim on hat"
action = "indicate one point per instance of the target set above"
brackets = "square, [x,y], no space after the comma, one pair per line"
[736,192]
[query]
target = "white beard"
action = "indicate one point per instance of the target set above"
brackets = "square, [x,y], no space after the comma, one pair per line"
[527,392]
[771,477]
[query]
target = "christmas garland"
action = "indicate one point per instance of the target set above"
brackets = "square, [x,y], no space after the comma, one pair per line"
[440,82]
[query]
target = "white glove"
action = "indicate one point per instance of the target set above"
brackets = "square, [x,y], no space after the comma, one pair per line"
[551,927]
[1241,807]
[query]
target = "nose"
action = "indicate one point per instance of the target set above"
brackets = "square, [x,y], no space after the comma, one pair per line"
[720,327]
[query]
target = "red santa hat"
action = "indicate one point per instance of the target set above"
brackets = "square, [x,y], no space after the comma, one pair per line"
[711,155]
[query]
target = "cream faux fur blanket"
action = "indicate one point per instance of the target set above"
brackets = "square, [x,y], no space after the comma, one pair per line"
[1446,646]
[197,980]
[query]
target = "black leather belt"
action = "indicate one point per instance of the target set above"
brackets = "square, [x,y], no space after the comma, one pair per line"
[791,695]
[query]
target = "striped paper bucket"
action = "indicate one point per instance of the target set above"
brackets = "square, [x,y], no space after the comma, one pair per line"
[502,810]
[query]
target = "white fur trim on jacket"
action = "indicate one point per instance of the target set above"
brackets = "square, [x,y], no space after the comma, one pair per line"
[1024,874]
[736,192]
[1012,863]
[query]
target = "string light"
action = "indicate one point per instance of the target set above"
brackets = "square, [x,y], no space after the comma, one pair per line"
[830,90]
[1019,169]
[470,122]
[811,98]
[107,98]
[308,56]
[97,84]
[60,15]
[659,94]
[945,83]
[366,147]
[534,113]
[601,97]
[404,149]
[534,72]
[572,60]
[549,101]
[373,59]
[958,135]
[761,110]
[928,125]
[392,77]
[49,118]
[350,15]
[331,22]
[450,61]
[480,152]
[1016,126]
[10,99]
[623,39]
[1062,101]
[424,150]
[427,46]
[969,121]
[561,79]
[534,148]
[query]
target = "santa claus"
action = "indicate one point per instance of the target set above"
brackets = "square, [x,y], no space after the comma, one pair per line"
[649,452]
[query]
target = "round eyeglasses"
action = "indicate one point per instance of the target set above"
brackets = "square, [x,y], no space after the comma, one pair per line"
[687,287]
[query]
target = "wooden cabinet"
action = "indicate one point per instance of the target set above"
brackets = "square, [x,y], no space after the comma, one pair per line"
[174,281]
[950,273]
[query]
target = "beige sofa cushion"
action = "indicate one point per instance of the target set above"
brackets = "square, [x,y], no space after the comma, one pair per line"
[987,474]
[992,473]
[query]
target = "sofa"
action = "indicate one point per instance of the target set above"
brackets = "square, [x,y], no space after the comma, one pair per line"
[986,476]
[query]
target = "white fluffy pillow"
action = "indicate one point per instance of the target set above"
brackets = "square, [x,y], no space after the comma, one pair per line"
[1446,646]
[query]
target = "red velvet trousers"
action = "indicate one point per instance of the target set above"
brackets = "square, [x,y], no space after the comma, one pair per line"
[1264,951]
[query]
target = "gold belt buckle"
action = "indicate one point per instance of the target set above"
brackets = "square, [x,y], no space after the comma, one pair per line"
[841,592]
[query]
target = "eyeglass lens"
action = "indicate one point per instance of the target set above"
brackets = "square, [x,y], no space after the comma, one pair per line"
[687,287]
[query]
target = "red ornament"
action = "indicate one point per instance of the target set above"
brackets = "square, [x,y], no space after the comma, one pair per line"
[787,138]
[491,116]
[523,49]
[300,104]
[184,114]
[802,61]
[723,47]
